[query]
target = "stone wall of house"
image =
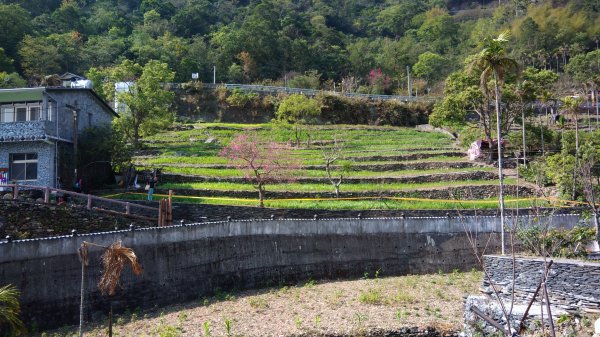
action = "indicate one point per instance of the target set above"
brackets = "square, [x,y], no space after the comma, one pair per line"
[23,131]
[91,112]
[46,159]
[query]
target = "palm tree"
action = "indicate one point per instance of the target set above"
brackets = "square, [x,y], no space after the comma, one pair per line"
[493,63]
[10,322]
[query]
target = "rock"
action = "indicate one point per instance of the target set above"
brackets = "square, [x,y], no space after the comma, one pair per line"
[7,197]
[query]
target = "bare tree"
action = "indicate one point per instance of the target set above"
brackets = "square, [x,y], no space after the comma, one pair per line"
[335,173]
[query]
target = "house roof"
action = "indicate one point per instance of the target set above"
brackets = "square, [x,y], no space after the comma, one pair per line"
[37,94]
[94,94]
[70,76]
[21,95]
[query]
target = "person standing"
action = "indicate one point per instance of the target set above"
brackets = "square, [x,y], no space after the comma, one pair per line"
[151,184]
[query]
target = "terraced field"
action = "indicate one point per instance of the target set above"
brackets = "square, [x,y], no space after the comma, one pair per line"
[382,164]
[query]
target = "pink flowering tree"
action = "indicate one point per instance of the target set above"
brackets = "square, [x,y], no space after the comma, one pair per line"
[379,81]
[262,162]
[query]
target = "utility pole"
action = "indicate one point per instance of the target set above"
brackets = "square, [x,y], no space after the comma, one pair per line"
[75,110]
[409,82]
[214,74]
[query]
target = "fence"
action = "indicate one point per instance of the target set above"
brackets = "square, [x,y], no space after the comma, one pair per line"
[95,203]
[312,92]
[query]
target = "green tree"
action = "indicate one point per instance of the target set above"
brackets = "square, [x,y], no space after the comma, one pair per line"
[12,80]
[67,17]
[309,80]
[148,103]
[102,50]
[299,109]
[571,105]
[395,20]
[439,31]
[195,18]
[10,323]
[494,63]
[15,23]
[585,68]
[6,63]
[431,67]
[39,57]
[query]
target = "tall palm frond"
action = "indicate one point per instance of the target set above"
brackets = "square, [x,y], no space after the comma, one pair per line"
[114,260]
[9,311]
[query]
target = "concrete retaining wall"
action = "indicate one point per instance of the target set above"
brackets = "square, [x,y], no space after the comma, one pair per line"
[183,263]
[571,284]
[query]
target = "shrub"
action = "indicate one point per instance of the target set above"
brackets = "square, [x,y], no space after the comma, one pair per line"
[298,109]
[567,243]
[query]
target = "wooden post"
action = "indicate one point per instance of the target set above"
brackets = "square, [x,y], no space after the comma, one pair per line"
[46,195]
[89,202]
[170,209]
[160,213]
[15,192]
[127,208]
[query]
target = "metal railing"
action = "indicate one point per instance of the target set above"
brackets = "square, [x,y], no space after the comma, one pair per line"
[312,92]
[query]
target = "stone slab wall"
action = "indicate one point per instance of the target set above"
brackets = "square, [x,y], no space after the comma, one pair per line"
[184,263]
[46,159]
[571,284]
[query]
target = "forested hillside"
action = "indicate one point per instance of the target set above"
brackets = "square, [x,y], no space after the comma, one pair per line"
[366,44]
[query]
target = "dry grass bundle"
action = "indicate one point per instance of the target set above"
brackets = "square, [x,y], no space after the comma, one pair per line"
[114,260]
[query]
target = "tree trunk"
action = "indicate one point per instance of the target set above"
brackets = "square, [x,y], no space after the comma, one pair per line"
[524,141]
[597,225]
[500,176]
[82,293]
[136,136]
[261,196]
[576,133]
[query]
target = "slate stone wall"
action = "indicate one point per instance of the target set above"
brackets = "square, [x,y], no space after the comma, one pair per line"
[571,284]
[46,159]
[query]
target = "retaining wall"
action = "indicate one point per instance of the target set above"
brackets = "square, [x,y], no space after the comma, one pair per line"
[183,263]
[571,284]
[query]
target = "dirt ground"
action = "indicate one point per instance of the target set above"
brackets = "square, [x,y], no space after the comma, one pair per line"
[348,308]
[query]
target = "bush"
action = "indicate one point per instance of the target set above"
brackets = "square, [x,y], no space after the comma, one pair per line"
[535,173]
[556,242]
[344,110]
[298,109]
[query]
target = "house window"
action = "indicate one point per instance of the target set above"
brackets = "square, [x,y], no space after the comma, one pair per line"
[20,113]
[34,113]
[8,115]
[23,166]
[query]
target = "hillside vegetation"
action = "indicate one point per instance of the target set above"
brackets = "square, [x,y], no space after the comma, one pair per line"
[358,45]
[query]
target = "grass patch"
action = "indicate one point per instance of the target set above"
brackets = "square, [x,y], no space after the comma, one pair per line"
[326,188]
[337,204]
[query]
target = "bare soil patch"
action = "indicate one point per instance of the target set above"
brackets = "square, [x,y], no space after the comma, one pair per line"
[341,308]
